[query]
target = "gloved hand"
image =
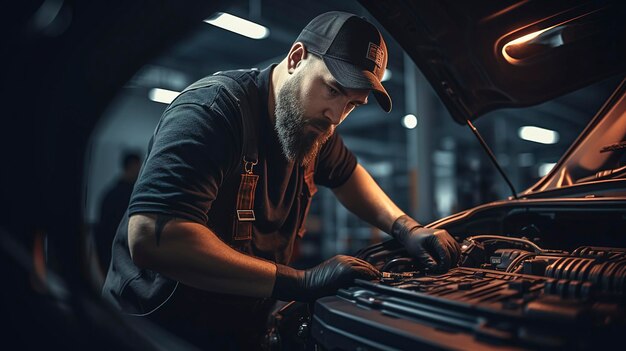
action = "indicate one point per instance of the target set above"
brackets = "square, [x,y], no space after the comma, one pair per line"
[435,249]
[321,280]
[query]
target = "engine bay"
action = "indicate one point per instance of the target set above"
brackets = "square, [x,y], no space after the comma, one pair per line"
[506,292]
[533,274]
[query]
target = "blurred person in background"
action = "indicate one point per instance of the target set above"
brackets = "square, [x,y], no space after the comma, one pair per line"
[113,206]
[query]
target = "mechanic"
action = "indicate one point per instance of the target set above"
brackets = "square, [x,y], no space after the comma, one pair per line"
[225,188]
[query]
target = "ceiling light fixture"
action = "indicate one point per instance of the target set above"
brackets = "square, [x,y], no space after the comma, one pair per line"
[409,121]
[387,75]
[544,168]
[163,96]
[238,25]
[538,135]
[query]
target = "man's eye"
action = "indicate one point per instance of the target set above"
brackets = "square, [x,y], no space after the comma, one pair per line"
[332,91]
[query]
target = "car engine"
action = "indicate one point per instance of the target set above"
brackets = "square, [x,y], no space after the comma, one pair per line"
[506,292]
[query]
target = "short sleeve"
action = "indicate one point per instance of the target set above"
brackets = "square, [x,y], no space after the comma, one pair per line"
[193,148]
[335,163]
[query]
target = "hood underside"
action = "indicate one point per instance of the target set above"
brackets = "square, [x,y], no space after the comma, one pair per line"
[480,56]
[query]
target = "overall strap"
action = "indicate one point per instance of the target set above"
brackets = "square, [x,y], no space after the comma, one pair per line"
[246,94]
[247,99]
[243,89]
[244,210]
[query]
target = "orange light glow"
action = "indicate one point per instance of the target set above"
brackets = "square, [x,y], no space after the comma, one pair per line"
[519,42]
[38,279]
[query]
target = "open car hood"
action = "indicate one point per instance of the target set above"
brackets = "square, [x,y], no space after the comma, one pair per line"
[484,55]
[597,157]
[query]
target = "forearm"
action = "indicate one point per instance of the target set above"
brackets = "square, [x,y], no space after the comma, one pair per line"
[192,254]
[363,197]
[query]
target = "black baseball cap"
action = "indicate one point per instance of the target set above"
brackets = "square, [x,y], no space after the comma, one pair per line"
[353,50]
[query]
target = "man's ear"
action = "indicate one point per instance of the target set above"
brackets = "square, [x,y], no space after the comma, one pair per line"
[296,55]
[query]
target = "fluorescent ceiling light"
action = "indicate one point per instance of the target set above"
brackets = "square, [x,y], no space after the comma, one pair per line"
[544,168]
[386,75]
[538,135]
[409,121]
[163,96]
[238,25]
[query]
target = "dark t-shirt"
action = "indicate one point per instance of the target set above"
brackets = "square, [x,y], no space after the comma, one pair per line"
[192,171]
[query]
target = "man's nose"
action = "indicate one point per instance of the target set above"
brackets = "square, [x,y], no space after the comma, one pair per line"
[334,114]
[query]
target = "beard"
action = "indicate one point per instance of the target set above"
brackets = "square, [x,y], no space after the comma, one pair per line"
[299,142]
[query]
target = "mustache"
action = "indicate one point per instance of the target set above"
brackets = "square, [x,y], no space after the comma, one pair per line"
[321,123]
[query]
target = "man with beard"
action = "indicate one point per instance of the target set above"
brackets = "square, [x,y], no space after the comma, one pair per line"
[224,191]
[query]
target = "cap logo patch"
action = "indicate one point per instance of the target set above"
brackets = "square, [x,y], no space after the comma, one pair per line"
[374,53]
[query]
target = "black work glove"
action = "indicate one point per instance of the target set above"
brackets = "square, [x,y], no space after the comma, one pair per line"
[322,280]
[434,249]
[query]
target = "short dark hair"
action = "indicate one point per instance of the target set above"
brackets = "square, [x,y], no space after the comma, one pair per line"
[130,157]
